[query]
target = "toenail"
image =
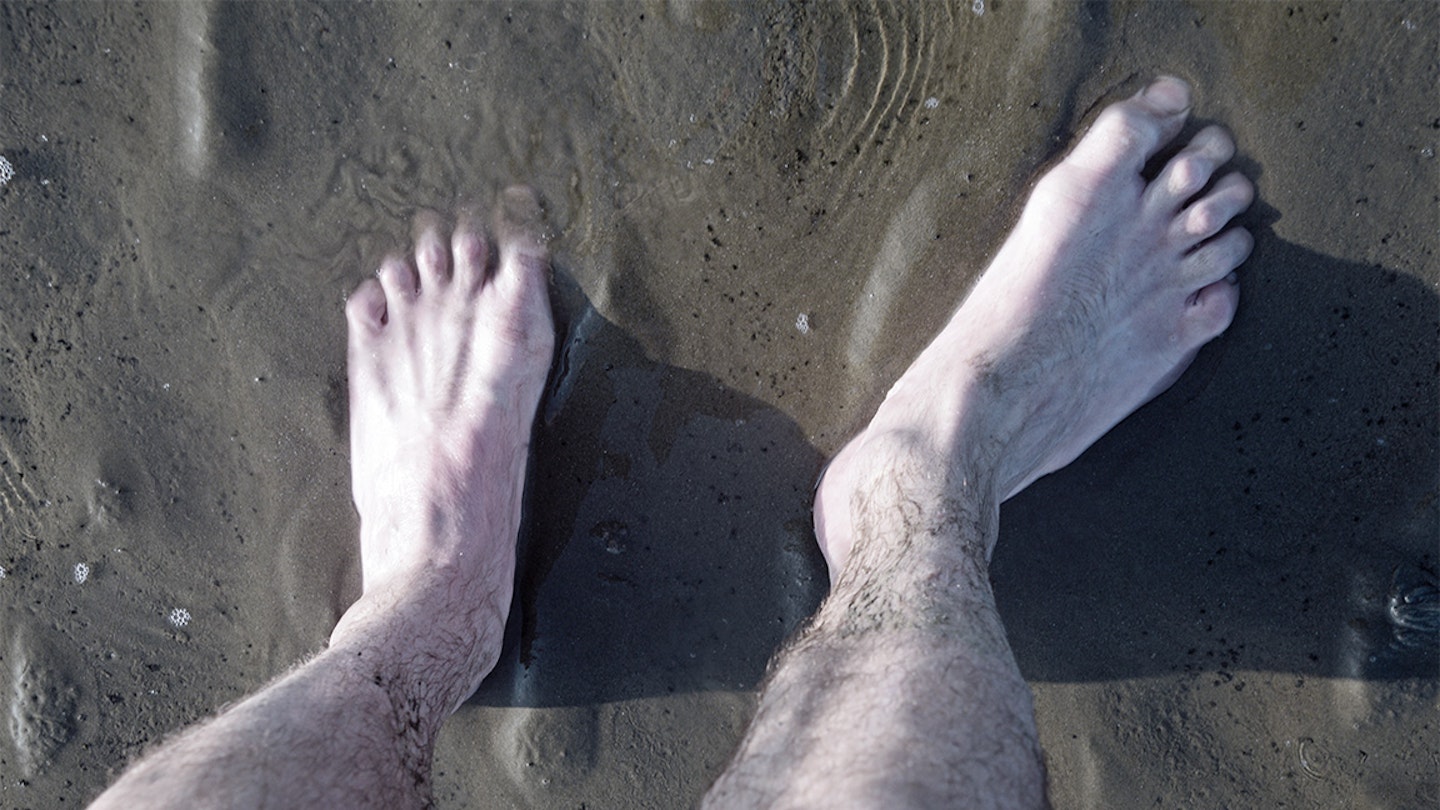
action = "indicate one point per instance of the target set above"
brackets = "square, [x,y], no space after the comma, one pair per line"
[1233,278]
[1168,94]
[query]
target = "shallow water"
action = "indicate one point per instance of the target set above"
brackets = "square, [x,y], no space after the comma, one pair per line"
[1201,602]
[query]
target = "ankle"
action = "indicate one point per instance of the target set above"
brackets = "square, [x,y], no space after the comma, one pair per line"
[917,557]
[966,429]
[421,653]
[914,495]
[424,613]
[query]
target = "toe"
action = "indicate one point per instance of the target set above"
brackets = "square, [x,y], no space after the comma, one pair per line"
[398,279]
[1209,311]
[524,265]
[432,254]
[1205,217]
[520,227]
[520,287]
[365,308]
[1214,259]
[471,252]
[1190,171]
[1128,133]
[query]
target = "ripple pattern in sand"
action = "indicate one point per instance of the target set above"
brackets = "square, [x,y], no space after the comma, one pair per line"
[870,76]
[18,499]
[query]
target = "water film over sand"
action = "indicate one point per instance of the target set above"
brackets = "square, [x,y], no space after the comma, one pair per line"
[760,212]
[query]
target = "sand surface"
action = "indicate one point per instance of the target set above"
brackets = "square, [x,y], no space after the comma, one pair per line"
[760,213]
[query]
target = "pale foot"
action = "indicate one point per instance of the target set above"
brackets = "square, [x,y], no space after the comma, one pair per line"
[1096,303]
[447,360]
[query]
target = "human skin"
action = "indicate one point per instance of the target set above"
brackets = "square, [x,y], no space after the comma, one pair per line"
[903,690]
[447,359]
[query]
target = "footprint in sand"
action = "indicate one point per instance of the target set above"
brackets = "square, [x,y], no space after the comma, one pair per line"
[41,707]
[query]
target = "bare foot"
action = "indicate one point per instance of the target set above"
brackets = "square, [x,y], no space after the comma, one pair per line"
[447,361]
[1096,303]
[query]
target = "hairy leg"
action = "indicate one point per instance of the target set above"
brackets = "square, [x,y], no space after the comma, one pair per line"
[904,691]
[447,358]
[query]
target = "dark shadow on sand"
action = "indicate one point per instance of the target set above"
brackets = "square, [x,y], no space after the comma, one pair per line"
[668,545]
[1254,518]
[1258,516]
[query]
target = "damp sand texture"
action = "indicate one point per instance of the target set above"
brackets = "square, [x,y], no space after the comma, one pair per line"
[760,212]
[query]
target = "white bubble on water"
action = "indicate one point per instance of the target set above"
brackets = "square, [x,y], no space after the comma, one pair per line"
[931,103]
[978,7]
[82,573]
[179,617]
[802,323]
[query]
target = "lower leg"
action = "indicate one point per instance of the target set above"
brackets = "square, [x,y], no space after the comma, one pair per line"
[329,734]
[447,359]
[903,690]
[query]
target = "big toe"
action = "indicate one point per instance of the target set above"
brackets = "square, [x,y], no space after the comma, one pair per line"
[521,229]
[519,288]
[1130,132]
[521,232]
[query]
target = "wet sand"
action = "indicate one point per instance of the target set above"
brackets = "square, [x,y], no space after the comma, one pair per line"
[760,213]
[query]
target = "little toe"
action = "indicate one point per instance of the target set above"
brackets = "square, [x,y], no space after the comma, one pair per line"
[398,278]
[1214,259]
[1205,217]
[1128,133]
[432,253]
[365,308]
[1190,171]
[471,252]
[1209,311]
